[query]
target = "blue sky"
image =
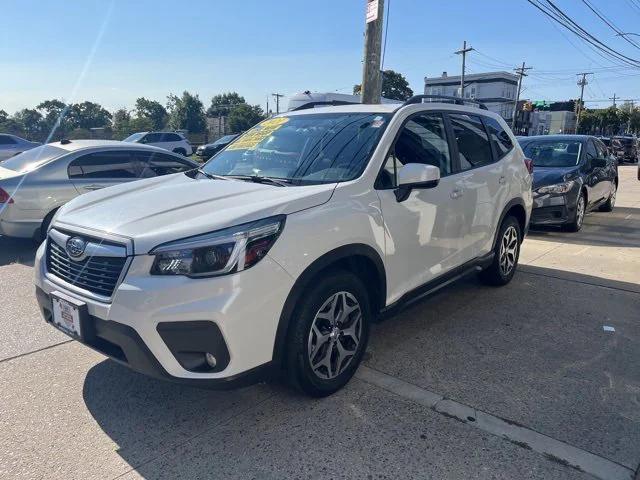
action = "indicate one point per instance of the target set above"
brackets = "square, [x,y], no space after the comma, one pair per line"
[112,52]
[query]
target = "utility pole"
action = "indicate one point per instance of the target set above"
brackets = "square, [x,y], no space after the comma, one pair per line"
[614,100]
[267,110]
[632,107]
[463,52]
[277,96]
[371,78]
[581,83]
[521,72]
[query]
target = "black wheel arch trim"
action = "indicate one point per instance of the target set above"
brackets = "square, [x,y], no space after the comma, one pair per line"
[512,203]
[325,261]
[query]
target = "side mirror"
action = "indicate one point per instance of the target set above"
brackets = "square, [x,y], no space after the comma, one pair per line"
[416,175]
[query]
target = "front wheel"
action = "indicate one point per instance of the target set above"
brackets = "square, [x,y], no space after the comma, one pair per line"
[505,254]
[611,202]
[328,335]
[581,209]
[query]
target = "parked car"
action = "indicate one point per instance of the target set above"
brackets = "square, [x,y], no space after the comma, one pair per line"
[572,175]
[11,145]
[34,184]
[280,251]
[173,141]
[210,149]
[625,148]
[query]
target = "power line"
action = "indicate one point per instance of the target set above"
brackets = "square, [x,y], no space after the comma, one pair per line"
[552,11]
[601,16]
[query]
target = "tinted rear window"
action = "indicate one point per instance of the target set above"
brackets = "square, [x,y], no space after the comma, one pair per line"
[32,159]
[499,136]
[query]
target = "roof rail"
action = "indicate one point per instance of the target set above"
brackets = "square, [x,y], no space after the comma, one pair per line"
[330,103]
[457,100]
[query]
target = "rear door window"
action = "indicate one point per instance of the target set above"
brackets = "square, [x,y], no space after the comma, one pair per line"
[499,137]
[116,164]
[153,164]
[153,138]
[172,137]
[474,149]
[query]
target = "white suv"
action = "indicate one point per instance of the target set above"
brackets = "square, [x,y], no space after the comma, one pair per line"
[279,252]
[173,141]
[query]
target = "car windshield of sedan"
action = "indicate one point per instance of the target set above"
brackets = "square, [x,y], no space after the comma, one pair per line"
[549,153]
[32,159]
[303,149]
[134,138]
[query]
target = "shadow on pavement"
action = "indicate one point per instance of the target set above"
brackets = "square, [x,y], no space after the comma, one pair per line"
[605,229]
[529,352]
[17,250]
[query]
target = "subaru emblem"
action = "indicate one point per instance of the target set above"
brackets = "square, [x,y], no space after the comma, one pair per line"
[76,246]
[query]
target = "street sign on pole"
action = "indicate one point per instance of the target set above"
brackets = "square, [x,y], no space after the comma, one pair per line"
[372,10]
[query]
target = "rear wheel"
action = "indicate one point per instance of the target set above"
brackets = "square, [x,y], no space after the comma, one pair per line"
[581,209]
[44,227]
[506,254]
[611,202]
[328,335]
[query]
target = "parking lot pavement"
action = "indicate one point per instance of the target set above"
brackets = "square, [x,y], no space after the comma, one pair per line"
[533,353]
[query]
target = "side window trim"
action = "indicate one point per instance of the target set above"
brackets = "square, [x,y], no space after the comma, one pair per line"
[447,131]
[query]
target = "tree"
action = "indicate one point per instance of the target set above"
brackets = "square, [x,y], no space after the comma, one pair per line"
[87,115]
[394,86]
[152,110]
[222,104]
[54,113]
[244,116]
[186,113]
[121,123]
[3,116]
[32,123]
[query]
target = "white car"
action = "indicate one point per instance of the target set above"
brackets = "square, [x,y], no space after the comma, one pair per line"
[279,253]
[173,141]
[11,145]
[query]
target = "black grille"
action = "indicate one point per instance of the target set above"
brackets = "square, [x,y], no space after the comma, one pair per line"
[98,275]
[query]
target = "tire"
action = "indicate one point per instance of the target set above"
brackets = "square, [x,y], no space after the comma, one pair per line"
[506,253]
[611,202]
[180,151]
[42,234]
[319,334]
[578,219]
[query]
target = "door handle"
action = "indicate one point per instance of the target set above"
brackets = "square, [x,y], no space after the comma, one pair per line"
[502,180]
[93,187]
[457,193]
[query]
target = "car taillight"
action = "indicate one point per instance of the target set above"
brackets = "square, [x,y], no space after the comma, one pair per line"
[5,197]
[529,164]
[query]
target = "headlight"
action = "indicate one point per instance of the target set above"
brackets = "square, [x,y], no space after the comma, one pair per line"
[218,253]
[557,188]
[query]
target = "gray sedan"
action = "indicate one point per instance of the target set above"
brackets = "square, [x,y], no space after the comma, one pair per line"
[11,145]
[34,184]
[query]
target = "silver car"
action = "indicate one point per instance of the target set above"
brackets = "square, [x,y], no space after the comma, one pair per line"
[34,184]
[11,145]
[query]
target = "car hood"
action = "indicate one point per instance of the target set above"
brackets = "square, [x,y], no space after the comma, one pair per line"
[543,176]
[162,209]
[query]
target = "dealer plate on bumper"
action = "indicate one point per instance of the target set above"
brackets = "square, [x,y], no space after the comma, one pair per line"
[67,314]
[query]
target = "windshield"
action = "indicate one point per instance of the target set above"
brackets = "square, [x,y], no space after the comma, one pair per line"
[548,153]
[32,159]
[310,148]
[134,138]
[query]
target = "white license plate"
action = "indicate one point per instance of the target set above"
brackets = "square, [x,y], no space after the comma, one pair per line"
[66,316]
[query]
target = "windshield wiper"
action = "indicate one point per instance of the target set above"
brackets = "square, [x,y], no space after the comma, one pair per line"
[280,182]
[211,175]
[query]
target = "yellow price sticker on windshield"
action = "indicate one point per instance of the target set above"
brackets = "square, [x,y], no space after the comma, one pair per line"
[251,139]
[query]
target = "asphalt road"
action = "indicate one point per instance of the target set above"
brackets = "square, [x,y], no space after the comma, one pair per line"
[475,382]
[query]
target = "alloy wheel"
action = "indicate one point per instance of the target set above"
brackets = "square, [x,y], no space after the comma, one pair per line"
[580,208]
[335,335]
[508,250]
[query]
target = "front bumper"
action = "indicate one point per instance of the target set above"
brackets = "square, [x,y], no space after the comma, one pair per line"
[550,209]
[156,325]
